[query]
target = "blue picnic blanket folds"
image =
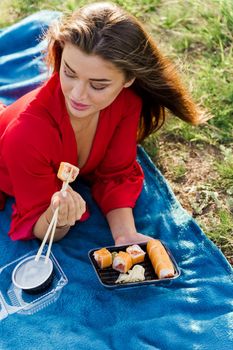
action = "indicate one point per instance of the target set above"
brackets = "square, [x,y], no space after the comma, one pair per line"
[194,311]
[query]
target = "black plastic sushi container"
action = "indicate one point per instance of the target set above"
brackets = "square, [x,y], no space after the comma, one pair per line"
[108,276]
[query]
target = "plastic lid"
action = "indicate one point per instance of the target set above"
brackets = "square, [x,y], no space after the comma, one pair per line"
[30,274]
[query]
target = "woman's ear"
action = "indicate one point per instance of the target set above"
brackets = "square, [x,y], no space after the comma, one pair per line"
[129,83]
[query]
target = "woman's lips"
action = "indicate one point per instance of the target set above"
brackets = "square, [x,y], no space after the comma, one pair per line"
[79,106]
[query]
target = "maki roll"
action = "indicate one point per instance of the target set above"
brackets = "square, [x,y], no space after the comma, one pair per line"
[64,172]
[122,262]
[160,260]
[137,253]
[103,257]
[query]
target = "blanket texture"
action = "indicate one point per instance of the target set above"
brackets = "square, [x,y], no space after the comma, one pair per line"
[194,311]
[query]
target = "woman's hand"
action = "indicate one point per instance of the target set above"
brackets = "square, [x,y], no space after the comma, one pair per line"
[132,238]
[71,207]
[122,225]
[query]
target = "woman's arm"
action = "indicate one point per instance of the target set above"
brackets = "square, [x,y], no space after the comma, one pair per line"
[122,225]
[71,208]
[42,225]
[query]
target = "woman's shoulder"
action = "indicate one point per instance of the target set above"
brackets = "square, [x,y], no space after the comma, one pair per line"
[29,117]
[35,106]
[128,95]
[127,100]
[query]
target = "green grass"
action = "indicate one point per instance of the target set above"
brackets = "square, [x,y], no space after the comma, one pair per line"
[225,170]
[197,35]
[221,233]
[13,10]
[201,34]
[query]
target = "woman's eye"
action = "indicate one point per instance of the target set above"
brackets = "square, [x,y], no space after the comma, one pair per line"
[98,87]
[68,73]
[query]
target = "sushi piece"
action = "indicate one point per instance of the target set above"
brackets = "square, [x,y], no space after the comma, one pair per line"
[64,172]
[103,257]
[160,260]
[137,253]
[122,262]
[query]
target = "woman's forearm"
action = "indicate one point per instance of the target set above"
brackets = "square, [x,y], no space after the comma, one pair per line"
[42,225]
[121,223]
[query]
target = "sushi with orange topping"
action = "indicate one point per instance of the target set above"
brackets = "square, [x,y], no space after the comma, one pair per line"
[103,257]
[160,259]
[137,253]
[67,171]
[122,262]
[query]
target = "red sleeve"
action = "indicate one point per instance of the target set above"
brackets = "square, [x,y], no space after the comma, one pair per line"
[29,150]
[119,178]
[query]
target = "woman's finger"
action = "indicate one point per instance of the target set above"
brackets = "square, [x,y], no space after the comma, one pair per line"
[71,206]
[80,204]
[63,209]
[71,217]
[55,201]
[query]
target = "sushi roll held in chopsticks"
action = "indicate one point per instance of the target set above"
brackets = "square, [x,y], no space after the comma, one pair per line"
[159,258]
[122,262]
[137,253]
[64,172]
[103,257]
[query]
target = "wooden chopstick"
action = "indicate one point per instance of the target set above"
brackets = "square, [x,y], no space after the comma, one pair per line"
[52,226]
[46,235]
[51,237]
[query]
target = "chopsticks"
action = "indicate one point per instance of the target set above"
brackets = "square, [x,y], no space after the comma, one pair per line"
[52,226]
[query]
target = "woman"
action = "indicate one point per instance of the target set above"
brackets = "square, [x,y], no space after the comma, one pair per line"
[109,90]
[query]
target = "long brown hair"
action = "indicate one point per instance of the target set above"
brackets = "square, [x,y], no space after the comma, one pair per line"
[108,31]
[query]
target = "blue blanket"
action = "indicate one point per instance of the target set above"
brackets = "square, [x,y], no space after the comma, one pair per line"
[194,311]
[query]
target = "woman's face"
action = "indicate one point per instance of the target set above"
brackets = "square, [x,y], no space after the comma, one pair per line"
[88,82]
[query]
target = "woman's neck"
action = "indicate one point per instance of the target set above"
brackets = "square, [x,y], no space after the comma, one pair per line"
[80,124]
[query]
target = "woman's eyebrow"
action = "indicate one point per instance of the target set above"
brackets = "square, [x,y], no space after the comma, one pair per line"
[92,79]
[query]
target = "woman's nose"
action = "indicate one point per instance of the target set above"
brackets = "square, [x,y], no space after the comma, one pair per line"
[79,91]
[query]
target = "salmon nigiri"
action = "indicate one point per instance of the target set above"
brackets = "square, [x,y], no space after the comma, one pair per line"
[159,258]
[122,262]
[103,257]
[137,253]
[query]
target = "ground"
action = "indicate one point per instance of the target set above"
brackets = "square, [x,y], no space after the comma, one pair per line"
[189,168]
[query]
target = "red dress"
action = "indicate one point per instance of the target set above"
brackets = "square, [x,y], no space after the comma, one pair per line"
[36,135]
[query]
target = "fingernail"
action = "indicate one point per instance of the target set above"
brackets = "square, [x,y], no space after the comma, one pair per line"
[64,194]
